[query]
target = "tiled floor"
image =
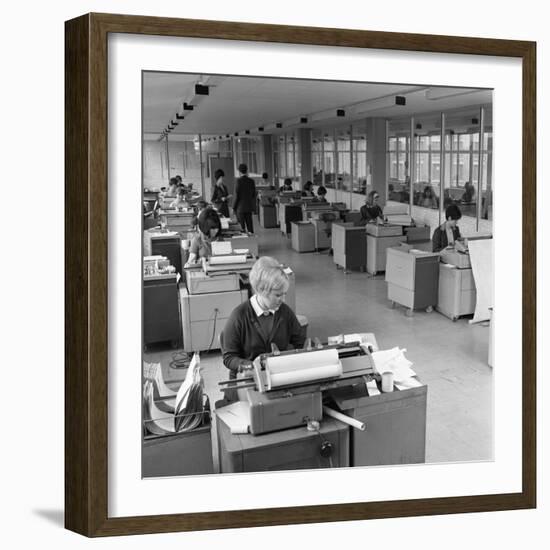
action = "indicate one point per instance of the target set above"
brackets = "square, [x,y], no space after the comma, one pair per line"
[450,357]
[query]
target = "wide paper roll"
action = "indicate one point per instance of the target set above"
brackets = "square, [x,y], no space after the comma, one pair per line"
[302,367]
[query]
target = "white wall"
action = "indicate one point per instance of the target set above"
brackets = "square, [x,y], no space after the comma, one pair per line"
[32,352]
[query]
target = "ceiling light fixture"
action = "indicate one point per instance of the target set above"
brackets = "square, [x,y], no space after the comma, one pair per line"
[201,89]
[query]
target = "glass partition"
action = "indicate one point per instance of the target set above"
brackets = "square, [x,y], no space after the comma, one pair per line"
[317,156]
[398,160]
[343,146]
[329,160]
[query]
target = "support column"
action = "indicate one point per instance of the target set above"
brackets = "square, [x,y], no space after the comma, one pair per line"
[304,139]
[376,156]
[268,155]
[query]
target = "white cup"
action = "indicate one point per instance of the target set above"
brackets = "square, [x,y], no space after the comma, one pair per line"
[387,382]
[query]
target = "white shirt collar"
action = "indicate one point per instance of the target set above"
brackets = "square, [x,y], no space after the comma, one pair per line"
[258,310]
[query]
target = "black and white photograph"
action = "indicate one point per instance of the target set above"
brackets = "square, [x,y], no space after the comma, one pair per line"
[318,274]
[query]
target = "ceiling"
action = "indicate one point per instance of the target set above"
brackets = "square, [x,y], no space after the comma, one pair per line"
[236,103]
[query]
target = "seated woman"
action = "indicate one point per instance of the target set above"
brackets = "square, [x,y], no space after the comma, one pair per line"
[447,233]
[428,199]
[371,211]
[180,201]
[200,206]
[307,191]
[264,319]
[220,194]
[287,185]
[209,230]
[172,188]
[469,193]
[321,192]
[265,181]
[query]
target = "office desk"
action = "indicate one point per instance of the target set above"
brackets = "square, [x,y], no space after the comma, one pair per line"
[288,213]
[292,449]
[180,454]
[457,291]
[349,246]
[177,221]
[268,215]
[303,236]
[161,316]
[250,242]
[204,316]
[323,234]
[396,425]
[376,251]
[412,279]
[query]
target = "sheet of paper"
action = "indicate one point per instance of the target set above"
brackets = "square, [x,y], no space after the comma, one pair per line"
[228,259]
[408,383]
[393,360]
[221,248]
[158,422]
[183,392]
[481,258]
[236,416]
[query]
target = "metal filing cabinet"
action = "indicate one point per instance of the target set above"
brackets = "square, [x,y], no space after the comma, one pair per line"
[349,246]
[395,422]
[303,236]
[412,278]
[292,449]
[201,323]
[161,316]
[180,454]
[457,291]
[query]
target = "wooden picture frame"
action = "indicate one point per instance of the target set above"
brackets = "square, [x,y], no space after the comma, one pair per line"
[86,279]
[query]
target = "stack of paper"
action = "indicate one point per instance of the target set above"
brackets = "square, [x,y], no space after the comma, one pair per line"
[393,360]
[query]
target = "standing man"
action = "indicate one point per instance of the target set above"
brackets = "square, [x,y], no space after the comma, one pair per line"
[245,199]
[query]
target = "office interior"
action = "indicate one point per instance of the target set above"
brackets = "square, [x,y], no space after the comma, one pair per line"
[421,149]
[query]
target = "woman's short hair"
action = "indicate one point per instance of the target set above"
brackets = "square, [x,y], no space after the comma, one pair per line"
[321,190]
[208,219]
[219,173]
[266,275]
[174,181]
[370,196]
[453,211]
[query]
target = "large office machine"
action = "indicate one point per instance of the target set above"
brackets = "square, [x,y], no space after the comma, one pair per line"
[285,389]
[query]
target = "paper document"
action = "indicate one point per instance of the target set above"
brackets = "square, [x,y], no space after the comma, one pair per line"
[408,383]
[183,392]
[228,259]
[236,416]
[393,360]
[220,248]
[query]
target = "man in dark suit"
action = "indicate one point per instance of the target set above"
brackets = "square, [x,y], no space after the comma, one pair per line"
[244,199]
